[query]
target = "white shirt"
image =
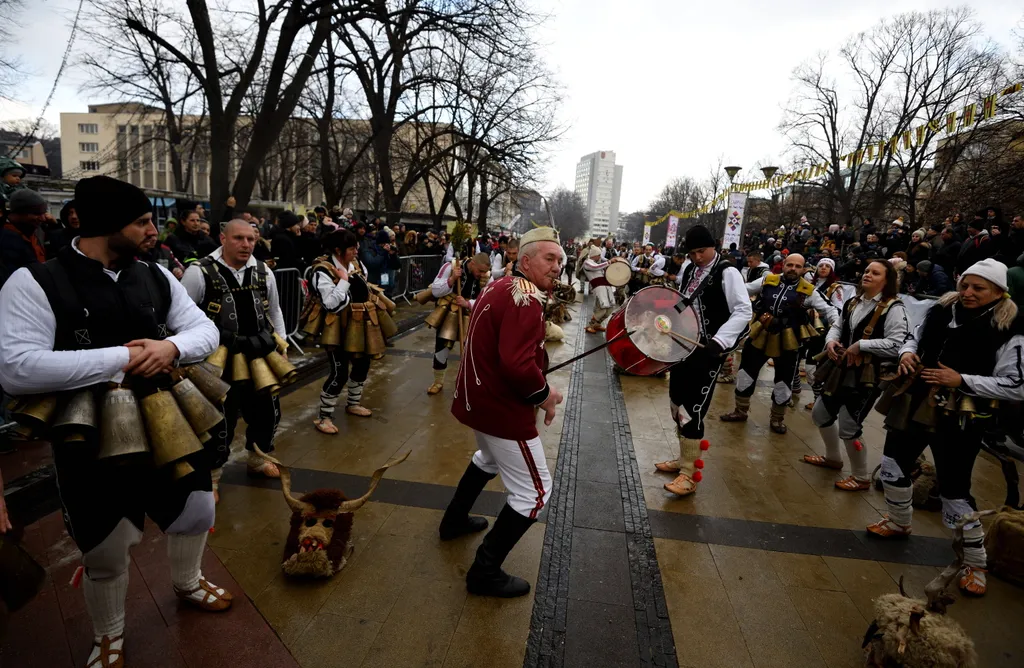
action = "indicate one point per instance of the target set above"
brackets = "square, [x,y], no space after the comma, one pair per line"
[593,269]
[195,285]
[740,309]
[29,364]
[897,328]
[335,296]
[440,288]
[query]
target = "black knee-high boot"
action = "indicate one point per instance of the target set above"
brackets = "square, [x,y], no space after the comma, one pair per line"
[456,521]
[485,577]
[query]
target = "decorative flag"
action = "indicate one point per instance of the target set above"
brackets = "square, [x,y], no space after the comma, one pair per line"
[647,234]
[919,134]
[969,111]
[670,235]
[951,122]
[906,139]
[989,110]
[734,220]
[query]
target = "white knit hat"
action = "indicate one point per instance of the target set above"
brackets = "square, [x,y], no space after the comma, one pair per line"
[991,270]
[594,252]
[829,261]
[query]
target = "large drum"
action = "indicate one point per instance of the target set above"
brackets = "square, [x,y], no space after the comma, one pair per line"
[644,343]
[618,274]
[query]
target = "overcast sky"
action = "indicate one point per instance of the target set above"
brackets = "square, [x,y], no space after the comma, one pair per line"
[669,85]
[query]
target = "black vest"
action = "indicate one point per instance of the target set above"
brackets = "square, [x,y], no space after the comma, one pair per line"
[971,348]
[240,309]
[755,273]
[470,285]
[358,290]
[850,334]
[94,311]
[709,300]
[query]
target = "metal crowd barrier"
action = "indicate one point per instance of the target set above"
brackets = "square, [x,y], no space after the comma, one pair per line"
[415,273]
[292,296]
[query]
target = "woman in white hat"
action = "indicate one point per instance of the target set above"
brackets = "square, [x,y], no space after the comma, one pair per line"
[964,359]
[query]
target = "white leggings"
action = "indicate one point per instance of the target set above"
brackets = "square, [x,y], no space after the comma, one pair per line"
[523,468]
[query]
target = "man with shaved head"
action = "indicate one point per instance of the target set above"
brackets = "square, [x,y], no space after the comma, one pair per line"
[780,323]
[239,293]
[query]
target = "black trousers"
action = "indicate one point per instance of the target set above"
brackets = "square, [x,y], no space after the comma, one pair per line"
[857,401]
[95,494]
[691,385]
[261,413]
[954,450]
[754,359]
[441,358]
[338,370]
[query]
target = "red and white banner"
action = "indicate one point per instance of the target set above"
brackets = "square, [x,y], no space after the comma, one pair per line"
[734,221]
[670,235]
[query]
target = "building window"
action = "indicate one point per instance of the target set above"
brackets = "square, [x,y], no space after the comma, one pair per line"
[161,167]
[24,154]
[88,129]
[88,147]
[122,129]
[89,165]
[135,165]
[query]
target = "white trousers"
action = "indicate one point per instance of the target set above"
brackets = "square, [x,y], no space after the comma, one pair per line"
[523,468]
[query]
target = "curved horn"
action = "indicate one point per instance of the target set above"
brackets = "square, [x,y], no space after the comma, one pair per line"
[355,504]
[286,483]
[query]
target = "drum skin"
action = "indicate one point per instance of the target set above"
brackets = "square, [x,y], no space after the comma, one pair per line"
[618,274]
[645,304]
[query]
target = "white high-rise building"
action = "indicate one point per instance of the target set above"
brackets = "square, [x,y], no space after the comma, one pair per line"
[598,183]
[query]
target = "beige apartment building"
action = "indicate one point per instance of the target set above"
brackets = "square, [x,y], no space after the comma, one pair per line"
[127,141]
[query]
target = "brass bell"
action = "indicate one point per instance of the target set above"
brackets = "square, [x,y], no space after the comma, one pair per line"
[868,376]
[773,346]
[818,324]
[423,297]
[182,469]
[77,415]
[332,330]
[239,368]
[219,357]
[967,405]
[200,413]
[314,321]
[211,385]
[282,344]
[375,344]
[755,329]
[36,410]
[355,335]
[122,431]
[789,340]
[388,305]
[170,435]
[835,377]
[281,367]
[808,332]
[437,316]
[926,412]
[263,379]
[465,324]
[450,328]
[387,324]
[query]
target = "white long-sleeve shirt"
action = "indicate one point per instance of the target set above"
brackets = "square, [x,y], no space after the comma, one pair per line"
[195,285]
[335,296]
[29,364]
[897,328]
[1007,379]
[815,301]
[440,288]
[740,309]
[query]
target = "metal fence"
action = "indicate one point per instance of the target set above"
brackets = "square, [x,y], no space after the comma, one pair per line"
[292,294]
[415,273]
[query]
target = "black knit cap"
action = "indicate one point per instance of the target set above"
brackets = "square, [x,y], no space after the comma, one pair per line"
[698,237]
[106,205]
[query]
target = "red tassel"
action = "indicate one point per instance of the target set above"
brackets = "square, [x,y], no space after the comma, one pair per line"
[697,475]
[699,463]
[858,445]
[705,444]
[211,529]
[76,579]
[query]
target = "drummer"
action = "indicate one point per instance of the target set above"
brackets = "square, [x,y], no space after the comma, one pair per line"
[604,292]
[715,290]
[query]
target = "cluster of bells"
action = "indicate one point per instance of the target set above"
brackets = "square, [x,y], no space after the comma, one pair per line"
[896,402]
[445,318]
[362,328]
[170,424]
[267,374]
[775,343]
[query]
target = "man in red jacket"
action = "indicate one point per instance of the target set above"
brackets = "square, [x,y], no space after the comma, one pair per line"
[498,390]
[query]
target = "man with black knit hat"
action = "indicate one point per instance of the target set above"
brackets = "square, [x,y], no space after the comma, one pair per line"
[19,243]
[714,289]
[92,317]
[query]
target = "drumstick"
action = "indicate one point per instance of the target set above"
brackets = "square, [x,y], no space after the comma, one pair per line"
[683,338]
[590,352]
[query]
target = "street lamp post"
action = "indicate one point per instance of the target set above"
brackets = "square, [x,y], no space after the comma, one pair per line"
[769,172]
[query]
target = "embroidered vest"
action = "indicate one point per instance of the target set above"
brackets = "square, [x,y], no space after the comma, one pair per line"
[241,309]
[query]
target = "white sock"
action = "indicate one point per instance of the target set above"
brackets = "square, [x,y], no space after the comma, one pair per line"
[899,501]
[355,393]
[830,436]
[327,404]
[858,459]
[104,599]
[186,556]
[974,547]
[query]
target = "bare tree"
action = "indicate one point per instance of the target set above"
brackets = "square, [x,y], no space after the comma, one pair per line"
[10,66]
[569,213]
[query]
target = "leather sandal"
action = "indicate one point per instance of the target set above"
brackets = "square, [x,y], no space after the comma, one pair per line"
[819,460]
[435,389]
[358,411]
[590,329]
[973,581]
[809,405]
[886,528]
[671,466]
[207,597]
[683,485]
[108,657]
[851,484]
[325,426]
[266,469]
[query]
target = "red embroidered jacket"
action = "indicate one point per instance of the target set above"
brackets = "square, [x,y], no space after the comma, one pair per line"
[501,379]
